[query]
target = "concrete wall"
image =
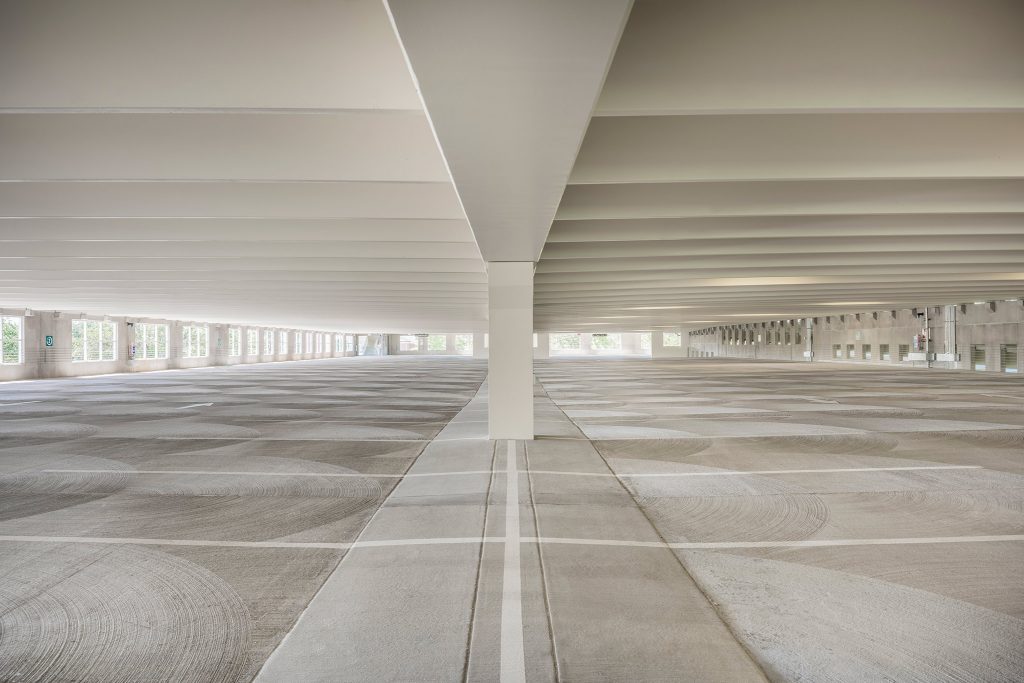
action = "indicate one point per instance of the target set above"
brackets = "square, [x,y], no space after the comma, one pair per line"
[42,362]
[951,332]
[395,348]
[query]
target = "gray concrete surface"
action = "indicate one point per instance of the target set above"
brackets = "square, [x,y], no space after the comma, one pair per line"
[348,520]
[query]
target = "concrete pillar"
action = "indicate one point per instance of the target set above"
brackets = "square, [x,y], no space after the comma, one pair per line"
[808,338]
[219,345]
[543,349]
[658,348]
[479,350]
[631,343]
[54,361]
[510,357]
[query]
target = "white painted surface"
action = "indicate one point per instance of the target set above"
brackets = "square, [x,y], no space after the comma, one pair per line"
[513,657]
[510,356]
[509,88]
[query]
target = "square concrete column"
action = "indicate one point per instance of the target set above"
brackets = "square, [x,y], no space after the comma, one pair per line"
[510,352]
[480,343]
[543,349]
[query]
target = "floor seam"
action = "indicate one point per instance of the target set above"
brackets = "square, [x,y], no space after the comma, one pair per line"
[479,566]
[543,570]
[711,603]
[348,552]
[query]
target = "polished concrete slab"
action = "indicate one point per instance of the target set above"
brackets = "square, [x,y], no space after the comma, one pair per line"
[349,520]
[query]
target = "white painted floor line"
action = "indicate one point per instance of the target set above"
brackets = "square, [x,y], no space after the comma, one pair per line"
[547,540]
[194,405]
[513,654]
[627,475]
[744,473]
[19,403]
[360,475]
[823,543]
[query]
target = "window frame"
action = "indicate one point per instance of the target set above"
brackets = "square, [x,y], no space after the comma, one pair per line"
[195,341]
[234,342]
[101,326]
[19,344]
[268,343]
[143,341]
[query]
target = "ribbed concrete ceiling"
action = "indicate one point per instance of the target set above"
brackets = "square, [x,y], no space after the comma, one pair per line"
[261,162]
[270,162]
[754,160]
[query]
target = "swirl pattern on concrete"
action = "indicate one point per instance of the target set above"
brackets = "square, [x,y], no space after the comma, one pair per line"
[807,623]
[45,430]
[116,614]
[667,450]
[729,508]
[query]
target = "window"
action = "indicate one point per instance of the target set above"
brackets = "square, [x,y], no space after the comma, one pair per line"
[837,350]
[534,340]
[606,343]
[789,339]
[850,353]
[645,341]
[464,344]
[298,342]
[93,340]
[408,342]
[904,351]
[487,340]
[671,339]
[798,339]
[319,343]
[567,342]
[283,342]
[339,343]
[12,340]
[150,341]
[437,342]
[1008,358]
[252,343]
[978,357]
[268,342]
[195,342]
[309,342]
[234,342]
[865,351]
[350,342]
[883,352]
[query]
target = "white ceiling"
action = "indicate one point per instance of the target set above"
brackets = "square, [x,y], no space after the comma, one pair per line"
[257,161]
[752,160]
[265,162]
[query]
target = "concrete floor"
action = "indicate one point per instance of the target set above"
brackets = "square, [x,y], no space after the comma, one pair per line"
[348,520]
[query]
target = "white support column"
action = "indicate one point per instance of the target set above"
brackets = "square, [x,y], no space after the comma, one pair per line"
[809,339]
[543,349]
[480,343]
[510,357]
